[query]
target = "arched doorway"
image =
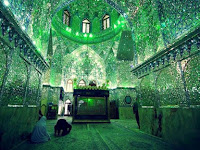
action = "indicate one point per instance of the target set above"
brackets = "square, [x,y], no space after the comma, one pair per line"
[60,107]
[68,107]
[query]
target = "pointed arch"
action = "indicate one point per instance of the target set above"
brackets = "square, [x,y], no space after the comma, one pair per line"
[69,85]
[86,26]
[106,22]
[66,17]
[81,83]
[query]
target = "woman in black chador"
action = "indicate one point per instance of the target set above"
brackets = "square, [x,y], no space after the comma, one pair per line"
[135,111]
[62,128]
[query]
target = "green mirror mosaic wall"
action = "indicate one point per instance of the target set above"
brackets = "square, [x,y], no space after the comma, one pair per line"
[192,75]
[170,86]
[33,88]
[15,85]
[3,64]
[153,21]
[153,25]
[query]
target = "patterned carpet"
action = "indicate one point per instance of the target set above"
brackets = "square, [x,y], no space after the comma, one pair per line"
[117,135]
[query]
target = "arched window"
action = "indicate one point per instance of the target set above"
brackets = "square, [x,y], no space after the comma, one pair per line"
[69,85]
[68,107]
[86,26]
[94,82]
[66,17]
[106,22]
[82,83]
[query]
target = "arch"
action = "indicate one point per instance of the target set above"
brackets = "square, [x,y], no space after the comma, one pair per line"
[106,22]
[69,85]
[66,17]
[68,101]
[68,107]
[60,107]
[93,83]
[86,26]
[97,67]
[82,83]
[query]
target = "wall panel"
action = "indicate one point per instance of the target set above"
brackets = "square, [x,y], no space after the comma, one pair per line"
[192,77]
[15,86]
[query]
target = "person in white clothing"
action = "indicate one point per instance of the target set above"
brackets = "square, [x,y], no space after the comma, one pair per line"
[39,133]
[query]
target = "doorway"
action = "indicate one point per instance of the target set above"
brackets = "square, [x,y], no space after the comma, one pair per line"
[60,107]
[68,107]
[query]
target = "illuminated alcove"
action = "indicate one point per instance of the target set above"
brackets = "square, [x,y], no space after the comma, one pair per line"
[84,63]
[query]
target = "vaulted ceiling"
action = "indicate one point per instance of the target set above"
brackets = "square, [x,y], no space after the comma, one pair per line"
[36,16]
[154,23]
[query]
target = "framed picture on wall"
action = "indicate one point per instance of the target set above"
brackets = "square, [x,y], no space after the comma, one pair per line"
[128,100]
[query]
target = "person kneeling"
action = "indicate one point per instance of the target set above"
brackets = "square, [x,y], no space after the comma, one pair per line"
[62,128]
[39,133]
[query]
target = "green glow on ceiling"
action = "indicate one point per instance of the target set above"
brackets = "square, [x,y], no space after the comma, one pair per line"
[68,29]
[95,15]
[85,35]
[90,35]
[84,62]
[94,38]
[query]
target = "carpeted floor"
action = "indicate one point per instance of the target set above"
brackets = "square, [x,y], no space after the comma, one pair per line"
[117,135]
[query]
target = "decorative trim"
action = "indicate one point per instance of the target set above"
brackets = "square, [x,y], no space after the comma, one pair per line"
[12,35]
[179,50]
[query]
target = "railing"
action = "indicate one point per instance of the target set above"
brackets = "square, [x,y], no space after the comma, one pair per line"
[179,50]
[13,36]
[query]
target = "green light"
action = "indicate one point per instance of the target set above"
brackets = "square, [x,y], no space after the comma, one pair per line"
[158,27]
[91,35]
[115,26]
[77,34]
[118,22]
[68,29]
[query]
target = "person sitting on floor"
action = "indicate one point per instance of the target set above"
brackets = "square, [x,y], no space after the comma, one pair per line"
[62,128]
[39,133]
